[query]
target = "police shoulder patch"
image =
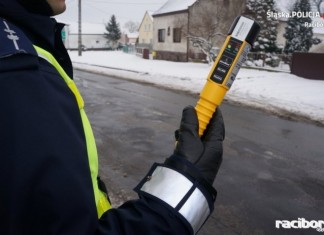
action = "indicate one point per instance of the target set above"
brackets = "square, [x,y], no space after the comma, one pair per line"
[13,41]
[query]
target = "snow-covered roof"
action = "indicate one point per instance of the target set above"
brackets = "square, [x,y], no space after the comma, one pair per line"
[174,6]
[87,28]
[150,13]
[132,35]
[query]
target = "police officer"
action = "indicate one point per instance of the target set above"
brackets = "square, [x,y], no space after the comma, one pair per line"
[48,160]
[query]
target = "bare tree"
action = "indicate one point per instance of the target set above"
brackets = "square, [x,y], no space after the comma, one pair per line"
[131,26]
[317,3]
[209,21]
[202,34]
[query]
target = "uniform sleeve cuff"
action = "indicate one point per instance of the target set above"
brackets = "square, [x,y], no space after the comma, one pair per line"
[186,195]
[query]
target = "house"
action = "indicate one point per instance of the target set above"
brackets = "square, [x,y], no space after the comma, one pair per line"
[132,38]
[145,31]
[281,29]
[178,19]
[318,31]
[171,16]
[92,36]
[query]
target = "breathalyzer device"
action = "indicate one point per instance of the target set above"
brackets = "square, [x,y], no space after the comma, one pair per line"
[233,53]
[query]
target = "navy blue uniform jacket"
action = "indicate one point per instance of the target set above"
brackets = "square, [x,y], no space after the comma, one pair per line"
[45,182]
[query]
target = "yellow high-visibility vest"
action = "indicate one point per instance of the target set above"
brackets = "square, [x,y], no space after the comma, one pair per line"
[102,202]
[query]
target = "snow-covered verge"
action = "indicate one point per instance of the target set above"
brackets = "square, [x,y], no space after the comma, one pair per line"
[278,92]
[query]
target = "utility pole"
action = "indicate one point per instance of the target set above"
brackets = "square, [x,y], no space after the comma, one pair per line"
[80,31]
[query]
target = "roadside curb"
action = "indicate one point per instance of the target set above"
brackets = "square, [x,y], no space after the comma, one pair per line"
[277,111]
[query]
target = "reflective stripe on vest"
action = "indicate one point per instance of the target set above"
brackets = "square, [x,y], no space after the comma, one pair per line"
[101,199]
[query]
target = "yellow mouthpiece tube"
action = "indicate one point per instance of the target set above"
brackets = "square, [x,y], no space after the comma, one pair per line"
[220,79]
[210,98]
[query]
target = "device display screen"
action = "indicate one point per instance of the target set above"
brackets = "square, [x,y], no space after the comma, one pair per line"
[226,60]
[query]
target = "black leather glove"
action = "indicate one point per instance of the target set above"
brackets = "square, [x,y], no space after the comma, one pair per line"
[184,181]
[205,152]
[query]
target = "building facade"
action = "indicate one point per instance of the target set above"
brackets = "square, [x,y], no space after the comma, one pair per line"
[178,20]
[145,31]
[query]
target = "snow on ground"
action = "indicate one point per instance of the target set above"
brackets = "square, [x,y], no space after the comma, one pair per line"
[278,92]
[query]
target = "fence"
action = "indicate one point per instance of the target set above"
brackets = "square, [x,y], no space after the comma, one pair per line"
[129,49]
[143,52]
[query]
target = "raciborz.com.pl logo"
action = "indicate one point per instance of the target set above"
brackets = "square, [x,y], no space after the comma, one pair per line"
[301,223]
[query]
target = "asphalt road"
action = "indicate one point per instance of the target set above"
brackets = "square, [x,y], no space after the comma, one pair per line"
[272,168]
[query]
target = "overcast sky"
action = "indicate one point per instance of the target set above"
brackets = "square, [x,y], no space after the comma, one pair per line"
[100,11]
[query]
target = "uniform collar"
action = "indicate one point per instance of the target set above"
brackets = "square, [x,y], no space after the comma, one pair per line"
[43,31]
[39,29]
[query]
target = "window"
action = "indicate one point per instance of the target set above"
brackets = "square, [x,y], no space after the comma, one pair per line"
[161,35]
[147,27]
[176,35]
[168,31]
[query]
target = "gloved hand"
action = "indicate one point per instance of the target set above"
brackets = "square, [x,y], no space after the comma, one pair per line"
[205,152]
